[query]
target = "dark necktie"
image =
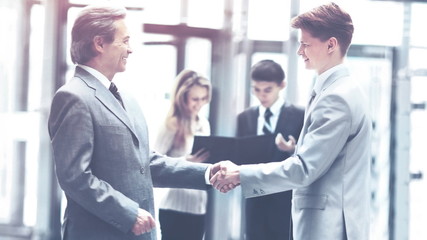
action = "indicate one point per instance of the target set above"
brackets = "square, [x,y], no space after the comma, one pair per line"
[267,125]
[113,89]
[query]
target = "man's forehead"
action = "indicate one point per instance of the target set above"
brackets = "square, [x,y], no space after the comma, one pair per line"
[263,84]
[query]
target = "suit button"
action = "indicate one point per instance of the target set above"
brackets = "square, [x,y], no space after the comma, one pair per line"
[142,170]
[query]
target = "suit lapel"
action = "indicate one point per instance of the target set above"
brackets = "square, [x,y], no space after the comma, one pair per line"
[281,121]
[253,121]
[105,97]
[328,82]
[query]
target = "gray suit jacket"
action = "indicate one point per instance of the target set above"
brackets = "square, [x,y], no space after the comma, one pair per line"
[330,169]
[103,162]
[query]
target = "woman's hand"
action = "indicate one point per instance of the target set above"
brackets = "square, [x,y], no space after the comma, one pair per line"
[200,156]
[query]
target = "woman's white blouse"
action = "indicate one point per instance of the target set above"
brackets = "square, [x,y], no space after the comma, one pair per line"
[182,200]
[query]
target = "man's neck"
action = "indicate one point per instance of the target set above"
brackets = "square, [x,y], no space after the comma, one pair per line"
[333,61]
[95,64]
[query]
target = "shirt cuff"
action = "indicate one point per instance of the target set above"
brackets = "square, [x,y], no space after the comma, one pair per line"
[207,175]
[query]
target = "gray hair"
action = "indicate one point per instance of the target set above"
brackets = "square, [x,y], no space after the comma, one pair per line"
[91,22]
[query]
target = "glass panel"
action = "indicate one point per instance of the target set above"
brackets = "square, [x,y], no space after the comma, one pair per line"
[87,2]
[198,58]
[198,55]
[367,21]
[268,20]
[205,13]
[31,135]
[374,76]
[36,57]
[5,173]
[126,3]
[418,165]
[17,168]
[9,23]
[162,12]
[156,38]
[240,73]
[418,20]
[417,58]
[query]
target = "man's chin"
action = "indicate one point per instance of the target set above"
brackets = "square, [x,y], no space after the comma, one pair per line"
[266,105]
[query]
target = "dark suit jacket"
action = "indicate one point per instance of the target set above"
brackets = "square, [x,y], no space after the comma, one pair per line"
[290,122]
[104,164]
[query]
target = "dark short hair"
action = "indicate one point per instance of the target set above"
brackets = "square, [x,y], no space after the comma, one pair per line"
[267,70]
[327,21]
[93,21]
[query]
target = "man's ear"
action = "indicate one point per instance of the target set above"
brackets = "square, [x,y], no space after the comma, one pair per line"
[98,43]
[283,84]
[332,44]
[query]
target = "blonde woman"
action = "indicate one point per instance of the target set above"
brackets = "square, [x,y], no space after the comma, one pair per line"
[182,211]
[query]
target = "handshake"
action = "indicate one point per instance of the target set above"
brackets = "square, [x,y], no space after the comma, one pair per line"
[224,176]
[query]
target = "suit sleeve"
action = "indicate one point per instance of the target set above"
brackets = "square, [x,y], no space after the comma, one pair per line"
[72,135]
[328,130]
[177,172]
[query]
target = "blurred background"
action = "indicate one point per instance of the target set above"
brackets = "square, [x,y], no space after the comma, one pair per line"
[221,39]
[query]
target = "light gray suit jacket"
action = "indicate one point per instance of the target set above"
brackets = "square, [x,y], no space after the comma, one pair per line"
[330,169]
[103,162]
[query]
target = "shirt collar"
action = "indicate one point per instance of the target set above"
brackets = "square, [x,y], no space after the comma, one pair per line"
[275,108]
[322,77]
[98,75]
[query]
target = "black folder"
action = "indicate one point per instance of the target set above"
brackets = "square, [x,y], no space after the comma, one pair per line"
[240,150]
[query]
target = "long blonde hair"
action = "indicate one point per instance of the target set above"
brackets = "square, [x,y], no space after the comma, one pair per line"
[179,117]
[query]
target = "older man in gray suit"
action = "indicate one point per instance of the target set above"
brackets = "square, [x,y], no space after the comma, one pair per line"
[100,142]
[330,167]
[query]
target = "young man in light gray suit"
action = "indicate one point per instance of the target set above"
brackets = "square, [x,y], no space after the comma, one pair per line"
[330,169]
[100,143]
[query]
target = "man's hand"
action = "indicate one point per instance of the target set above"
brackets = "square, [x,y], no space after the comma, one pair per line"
[225,176]
[283,145]
[144,222]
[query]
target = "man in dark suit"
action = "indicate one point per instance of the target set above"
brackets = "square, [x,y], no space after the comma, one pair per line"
[100,142]
[269,217]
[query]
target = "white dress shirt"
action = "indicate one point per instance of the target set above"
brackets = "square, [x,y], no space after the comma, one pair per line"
[275,110]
